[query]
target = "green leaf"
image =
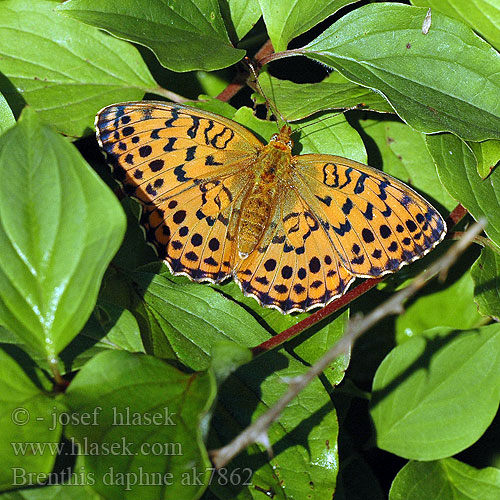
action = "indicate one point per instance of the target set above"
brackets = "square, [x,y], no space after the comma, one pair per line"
[227,357]
[447,80]
[405,156]
[296,101]
[191,318]
[7,119]
[60,491]
[109,327]
[304,438]
[331,136]
[28,418]
[147,412]
[185,35]
[285,20]
[212,83]
[456,165]
[435,397]
[59,228]
[482,16]
[310,347]
[486,275]
[66,71]
[446,479]
[451,306]
[264,129]
[240,16]
[487,154]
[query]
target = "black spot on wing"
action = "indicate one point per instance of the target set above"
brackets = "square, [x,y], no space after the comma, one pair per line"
[209,161]
[360,184]
[193,130]
[347,206]
[169,147]
[180,173]
[190,153]
[342,228]
[175,116]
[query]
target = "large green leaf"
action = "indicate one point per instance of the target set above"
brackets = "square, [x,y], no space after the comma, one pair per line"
[286,20]
[65,70]
[487,154]
[29,419]
[452,306]
[446,479]
[331,136]
[80,491]
[446,80]
[240,16]
[147,412]
[433,397]
[109,327]
[304,438]
[296,101]
[482,16]
[186,320]
[486,276]
[59,228]
[6,117]
[184,35]
[456,165]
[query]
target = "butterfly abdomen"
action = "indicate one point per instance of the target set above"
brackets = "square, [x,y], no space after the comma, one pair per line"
[254,218]
[270,168]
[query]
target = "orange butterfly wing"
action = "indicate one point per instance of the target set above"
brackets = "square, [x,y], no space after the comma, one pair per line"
[185,167]
[376,223]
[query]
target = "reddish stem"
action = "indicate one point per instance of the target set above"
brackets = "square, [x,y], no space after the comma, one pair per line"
[232,89]
[240,79]
[265,51]
[326,311]
[458,213]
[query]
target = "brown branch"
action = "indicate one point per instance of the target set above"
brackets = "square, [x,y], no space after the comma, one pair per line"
[279,55]
[232,89]
[265,51]
[479,240]
[458,213]
[257,432]
[318,316]
[241,77]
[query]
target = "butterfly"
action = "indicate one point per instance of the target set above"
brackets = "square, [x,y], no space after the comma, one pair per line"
[293,231]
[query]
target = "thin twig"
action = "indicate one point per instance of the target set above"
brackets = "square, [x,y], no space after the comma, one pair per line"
[479,240]
[240,79]
[315,318]
[171,96]
[257,432]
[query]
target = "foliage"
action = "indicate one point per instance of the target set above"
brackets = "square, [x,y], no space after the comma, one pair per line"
[118,377]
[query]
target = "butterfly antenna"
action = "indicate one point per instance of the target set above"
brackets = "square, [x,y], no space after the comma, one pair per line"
[269,102]
[324,119]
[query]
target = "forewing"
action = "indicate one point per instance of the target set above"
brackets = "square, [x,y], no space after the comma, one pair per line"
[187,168]
[376,223]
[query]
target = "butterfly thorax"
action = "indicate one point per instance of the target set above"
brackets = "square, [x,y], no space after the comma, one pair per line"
[269,170]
